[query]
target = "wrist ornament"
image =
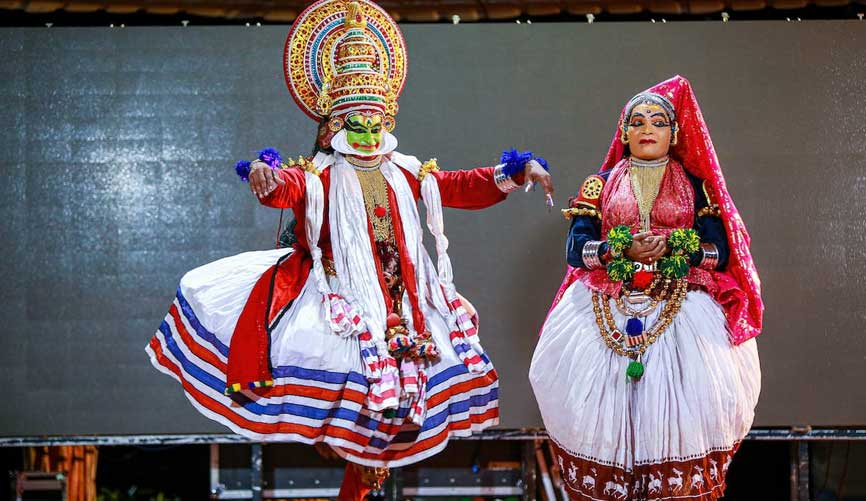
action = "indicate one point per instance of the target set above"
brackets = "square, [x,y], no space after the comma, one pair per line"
[512,163]
[590,254]
[269,156]
[710,259]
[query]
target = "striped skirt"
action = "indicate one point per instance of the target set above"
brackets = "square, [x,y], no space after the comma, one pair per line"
[320,390]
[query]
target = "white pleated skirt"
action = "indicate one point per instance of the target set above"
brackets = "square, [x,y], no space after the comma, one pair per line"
[320,390]
[669,435]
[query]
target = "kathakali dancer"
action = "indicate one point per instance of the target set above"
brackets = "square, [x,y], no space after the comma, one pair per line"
[352,337]
[646,372]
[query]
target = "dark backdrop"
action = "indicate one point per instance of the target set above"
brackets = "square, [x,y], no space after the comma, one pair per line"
[118,147]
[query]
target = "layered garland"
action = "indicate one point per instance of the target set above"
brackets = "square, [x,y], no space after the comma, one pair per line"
[636,339]
[672,269]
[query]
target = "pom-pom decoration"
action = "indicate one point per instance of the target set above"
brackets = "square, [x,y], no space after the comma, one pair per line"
[399,344]
[684,241]
[426,350]
[242,168]
[619,238]
[634,369]
[642,280]
[620,270]
[271,157]
[634,327]
[514,161]
[543,163]
[676,266]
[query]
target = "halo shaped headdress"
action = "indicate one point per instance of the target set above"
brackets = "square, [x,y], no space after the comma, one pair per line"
[341,57]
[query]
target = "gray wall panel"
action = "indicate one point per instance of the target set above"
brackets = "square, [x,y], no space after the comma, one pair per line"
[117,178]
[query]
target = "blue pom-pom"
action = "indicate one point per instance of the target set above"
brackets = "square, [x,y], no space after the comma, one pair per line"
[542,162]
[634,327]
[271,157]
[243,170]
[514,161]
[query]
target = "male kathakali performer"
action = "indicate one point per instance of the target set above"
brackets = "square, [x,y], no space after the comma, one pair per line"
[353,337]
[646,372]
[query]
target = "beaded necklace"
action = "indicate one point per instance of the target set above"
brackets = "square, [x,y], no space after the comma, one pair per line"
[636,339]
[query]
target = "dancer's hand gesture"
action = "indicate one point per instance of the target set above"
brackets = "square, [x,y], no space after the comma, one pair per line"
[263,179]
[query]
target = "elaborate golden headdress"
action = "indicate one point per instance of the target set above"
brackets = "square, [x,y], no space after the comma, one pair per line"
[344,57]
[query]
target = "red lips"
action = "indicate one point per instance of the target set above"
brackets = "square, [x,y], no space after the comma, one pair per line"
[647,141]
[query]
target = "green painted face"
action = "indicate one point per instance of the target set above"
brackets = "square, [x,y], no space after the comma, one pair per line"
[364,132]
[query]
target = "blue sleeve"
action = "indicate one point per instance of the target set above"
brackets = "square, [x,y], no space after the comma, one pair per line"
[583,229]
[710,228]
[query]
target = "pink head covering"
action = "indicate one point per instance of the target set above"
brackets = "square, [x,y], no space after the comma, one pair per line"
[740,286]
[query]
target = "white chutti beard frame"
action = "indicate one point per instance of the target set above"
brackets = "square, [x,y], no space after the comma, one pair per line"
[341,145]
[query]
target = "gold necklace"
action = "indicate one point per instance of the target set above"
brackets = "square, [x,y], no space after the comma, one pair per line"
[646,179]
[375,190]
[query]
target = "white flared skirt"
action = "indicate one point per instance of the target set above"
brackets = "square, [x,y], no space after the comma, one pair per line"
[320,389]
[669,435]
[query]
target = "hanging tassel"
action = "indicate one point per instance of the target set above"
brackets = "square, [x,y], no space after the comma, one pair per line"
[634,370]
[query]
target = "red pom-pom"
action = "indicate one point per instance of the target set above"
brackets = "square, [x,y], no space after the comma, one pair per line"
[642,279]
[380,211]
[393,320]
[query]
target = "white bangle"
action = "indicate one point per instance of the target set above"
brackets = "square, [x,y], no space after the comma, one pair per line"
[503,182]
[591,259]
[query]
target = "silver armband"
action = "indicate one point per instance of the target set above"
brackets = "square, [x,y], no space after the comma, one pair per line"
[591,259]
[710,260]
[503,182]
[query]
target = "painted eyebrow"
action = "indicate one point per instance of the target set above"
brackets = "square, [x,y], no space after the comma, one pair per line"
[659,114]
[355,127]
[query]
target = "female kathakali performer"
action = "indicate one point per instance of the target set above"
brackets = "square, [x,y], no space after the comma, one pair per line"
[353,337]
[646,372]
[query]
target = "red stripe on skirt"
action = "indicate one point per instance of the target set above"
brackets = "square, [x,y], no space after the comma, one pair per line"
[197,349]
